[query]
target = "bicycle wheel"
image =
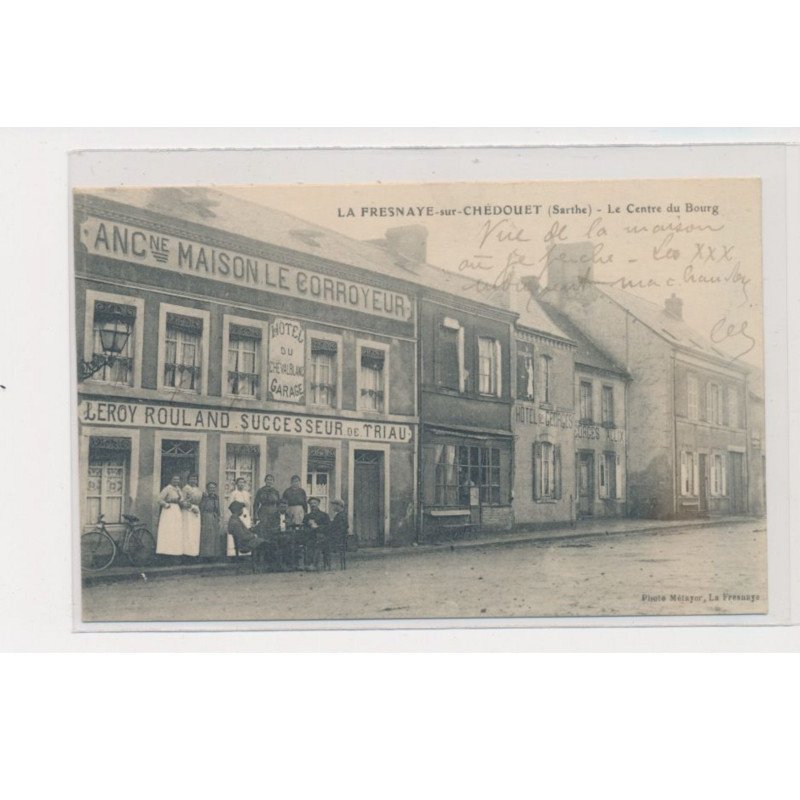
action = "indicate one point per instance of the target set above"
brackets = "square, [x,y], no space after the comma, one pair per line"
[140,547]
[97,551]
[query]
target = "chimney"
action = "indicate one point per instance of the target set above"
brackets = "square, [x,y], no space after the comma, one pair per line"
[570,266]
[531,283]
[409,241]
[674,306]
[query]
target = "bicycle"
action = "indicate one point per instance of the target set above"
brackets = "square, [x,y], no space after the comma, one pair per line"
[99,549]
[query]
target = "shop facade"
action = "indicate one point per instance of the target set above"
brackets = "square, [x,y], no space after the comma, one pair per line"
[243,356]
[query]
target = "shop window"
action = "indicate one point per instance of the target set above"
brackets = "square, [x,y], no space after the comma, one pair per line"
[322,377]
[113,340]
[372,379]
[107,477]
[488,366]
[244,348]
[449,357]
[183,352]
[460,469]
[525,382]
[585,402]
[608,406]
[545,388]
[608,475]
[546,471]
[692,393]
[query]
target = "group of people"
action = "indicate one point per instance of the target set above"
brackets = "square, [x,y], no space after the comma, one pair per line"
[290,530]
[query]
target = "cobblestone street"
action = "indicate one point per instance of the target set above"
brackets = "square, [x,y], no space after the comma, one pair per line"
[712,570]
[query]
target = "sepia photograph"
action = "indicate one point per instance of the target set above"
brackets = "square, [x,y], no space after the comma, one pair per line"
[420,401]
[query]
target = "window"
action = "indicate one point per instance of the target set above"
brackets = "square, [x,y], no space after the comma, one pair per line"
[718,476]
[244,347]
[372,379]
[714,404]
[688,473]
[586,411]
[322,385]
[524,371]
[692,396]
[608,475]
[488,366]
[112,326]
[107,475]
[241,461]
[183,352]
[458,469]
[608,406]
[450,355]
[546,471]
[545,389]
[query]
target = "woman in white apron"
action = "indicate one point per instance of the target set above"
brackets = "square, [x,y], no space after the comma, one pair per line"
[241,495]
[192,495]
[170,521]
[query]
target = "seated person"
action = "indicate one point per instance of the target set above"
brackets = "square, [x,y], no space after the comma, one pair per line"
[316,523]
[337,535]
[246,540]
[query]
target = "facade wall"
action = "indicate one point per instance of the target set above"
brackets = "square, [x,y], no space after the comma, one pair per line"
[466,460]
[712,467]
[334,436]
[756,458]
[650,485]
[600,482]
[544,431]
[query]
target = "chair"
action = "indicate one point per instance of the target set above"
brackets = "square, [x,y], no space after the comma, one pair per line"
[238,558]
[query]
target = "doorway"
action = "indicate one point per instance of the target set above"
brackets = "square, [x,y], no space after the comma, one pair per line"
[585,481]
[178,457]
[736,483]
[368,504]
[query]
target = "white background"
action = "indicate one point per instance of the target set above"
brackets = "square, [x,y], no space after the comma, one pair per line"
[474,725]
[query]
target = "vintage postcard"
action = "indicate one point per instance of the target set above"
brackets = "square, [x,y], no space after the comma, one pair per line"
[419,401]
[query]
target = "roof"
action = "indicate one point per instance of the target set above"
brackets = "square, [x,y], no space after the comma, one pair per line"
[671,329]
[588,353]
[213,208]
[533,316]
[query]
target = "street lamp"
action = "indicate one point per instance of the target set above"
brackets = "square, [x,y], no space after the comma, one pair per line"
[114,336]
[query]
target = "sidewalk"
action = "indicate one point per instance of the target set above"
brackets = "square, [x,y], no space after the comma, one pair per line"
[583,529]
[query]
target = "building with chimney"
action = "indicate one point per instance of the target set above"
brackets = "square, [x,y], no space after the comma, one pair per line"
[221,338]
[465,394]
[687,409]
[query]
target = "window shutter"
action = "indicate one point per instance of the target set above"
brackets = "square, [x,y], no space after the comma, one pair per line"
[557,471]
[684,469]
[537,459]
[522,373]
[724,461]
[619,495]
[724,392]
[498,366]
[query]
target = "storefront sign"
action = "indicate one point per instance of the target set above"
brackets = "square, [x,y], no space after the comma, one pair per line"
[155,415]
[152,249]
[540,416]
[287,359]
[615,435]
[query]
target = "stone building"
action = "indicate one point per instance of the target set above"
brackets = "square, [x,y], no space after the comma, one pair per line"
[251,343]
[687,407]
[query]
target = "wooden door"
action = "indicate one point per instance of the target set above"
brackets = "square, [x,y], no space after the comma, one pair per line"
[368,489]
[736,483]
[585,484]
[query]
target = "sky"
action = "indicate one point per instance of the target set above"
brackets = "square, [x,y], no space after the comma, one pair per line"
[699,239]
